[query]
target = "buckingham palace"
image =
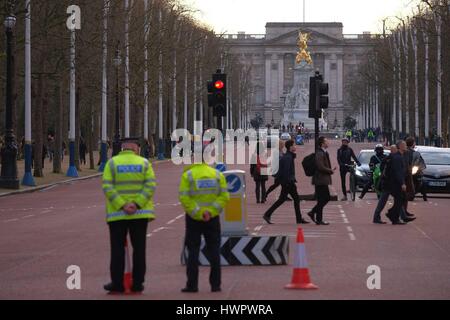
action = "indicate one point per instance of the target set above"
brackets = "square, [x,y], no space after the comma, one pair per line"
[271,61]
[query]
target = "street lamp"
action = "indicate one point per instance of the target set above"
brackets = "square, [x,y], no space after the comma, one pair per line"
[8,178]
[117,146]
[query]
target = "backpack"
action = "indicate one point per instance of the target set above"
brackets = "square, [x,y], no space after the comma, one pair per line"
[309,165]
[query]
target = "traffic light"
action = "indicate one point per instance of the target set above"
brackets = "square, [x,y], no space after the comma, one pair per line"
[219,94]
[318,96]
[312,97]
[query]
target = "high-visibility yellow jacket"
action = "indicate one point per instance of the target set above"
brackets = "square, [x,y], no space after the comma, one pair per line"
[203,188]
[129,178]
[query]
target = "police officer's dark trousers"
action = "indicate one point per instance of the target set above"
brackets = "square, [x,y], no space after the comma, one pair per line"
[118,231]
[211,231]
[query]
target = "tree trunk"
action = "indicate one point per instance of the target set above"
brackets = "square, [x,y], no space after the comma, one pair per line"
[77,130]
[37,149]
[58,130]
[90,137]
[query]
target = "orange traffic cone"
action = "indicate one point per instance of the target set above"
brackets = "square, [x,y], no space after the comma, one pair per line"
[127,278]
[300,275]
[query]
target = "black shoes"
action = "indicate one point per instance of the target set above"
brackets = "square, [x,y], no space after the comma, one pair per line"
[137,288]
[216,289]
[379,222]
[189,290]
[111,288]
[311,215]
[289,199]
[303,221]
[323,223]
[410,215]
[267,219]
[389,216]
[408,219]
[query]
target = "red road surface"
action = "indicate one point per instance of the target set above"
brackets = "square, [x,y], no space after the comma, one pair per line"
[45,232]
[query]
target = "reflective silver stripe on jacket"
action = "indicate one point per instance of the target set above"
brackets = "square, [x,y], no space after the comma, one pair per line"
[191,182]
[113,170]
[194,212]
[123,214]
[218,182]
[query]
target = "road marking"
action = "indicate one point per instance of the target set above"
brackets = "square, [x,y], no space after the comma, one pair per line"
[46,211]
[341,211]
[346,220]
[352,236]
[11,220]
[350,229]
[171,221]
[258,228]
[29,216]
[149,235]
[180,216]
[49,188]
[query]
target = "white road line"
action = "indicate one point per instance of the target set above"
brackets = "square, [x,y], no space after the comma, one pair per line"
[180,216]
[258,228]
[171,221]
[158,229]
[342,211]
[149,235]
[346,220]
[343,215]
[352,236]
[350,229]
[11,220]
[29,216]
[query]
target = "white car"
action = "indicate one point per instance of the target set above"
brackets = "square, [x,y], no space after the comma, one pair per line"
[285,136]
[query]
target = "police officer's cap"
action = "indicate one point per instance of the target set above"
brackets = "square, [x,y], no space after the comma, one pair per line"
[131,140]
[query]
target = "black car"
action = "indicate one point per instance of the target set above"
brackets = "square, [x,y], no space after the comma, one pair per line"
[363,171]
[436,177]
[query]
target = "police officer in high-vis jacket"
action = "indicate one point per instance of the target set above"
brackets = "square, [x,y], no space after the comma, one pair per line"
[203,194]
[129,184]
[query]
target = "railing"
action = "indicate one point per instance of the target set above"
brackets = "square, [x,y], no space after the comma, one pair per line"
[243,36]
[369,36]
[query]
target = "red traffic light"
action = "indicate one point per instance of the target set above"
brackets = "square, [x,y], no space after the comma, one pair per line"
[219,84]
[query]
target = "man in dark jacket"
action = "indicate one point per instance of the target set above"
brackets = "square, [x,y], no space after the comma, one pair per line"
[286,175]
[321,180]
[397,176]
[345,155]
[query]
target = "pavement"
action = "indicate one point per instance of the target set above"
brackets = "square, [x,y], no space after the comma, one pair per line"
[45,232]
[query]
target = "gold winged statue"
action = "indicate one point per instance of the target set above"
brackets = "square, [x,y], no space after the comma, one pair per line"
[303,54]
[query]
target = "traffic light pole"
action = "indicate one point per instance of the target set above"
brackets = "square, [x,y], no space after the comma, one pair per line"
[316,133]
